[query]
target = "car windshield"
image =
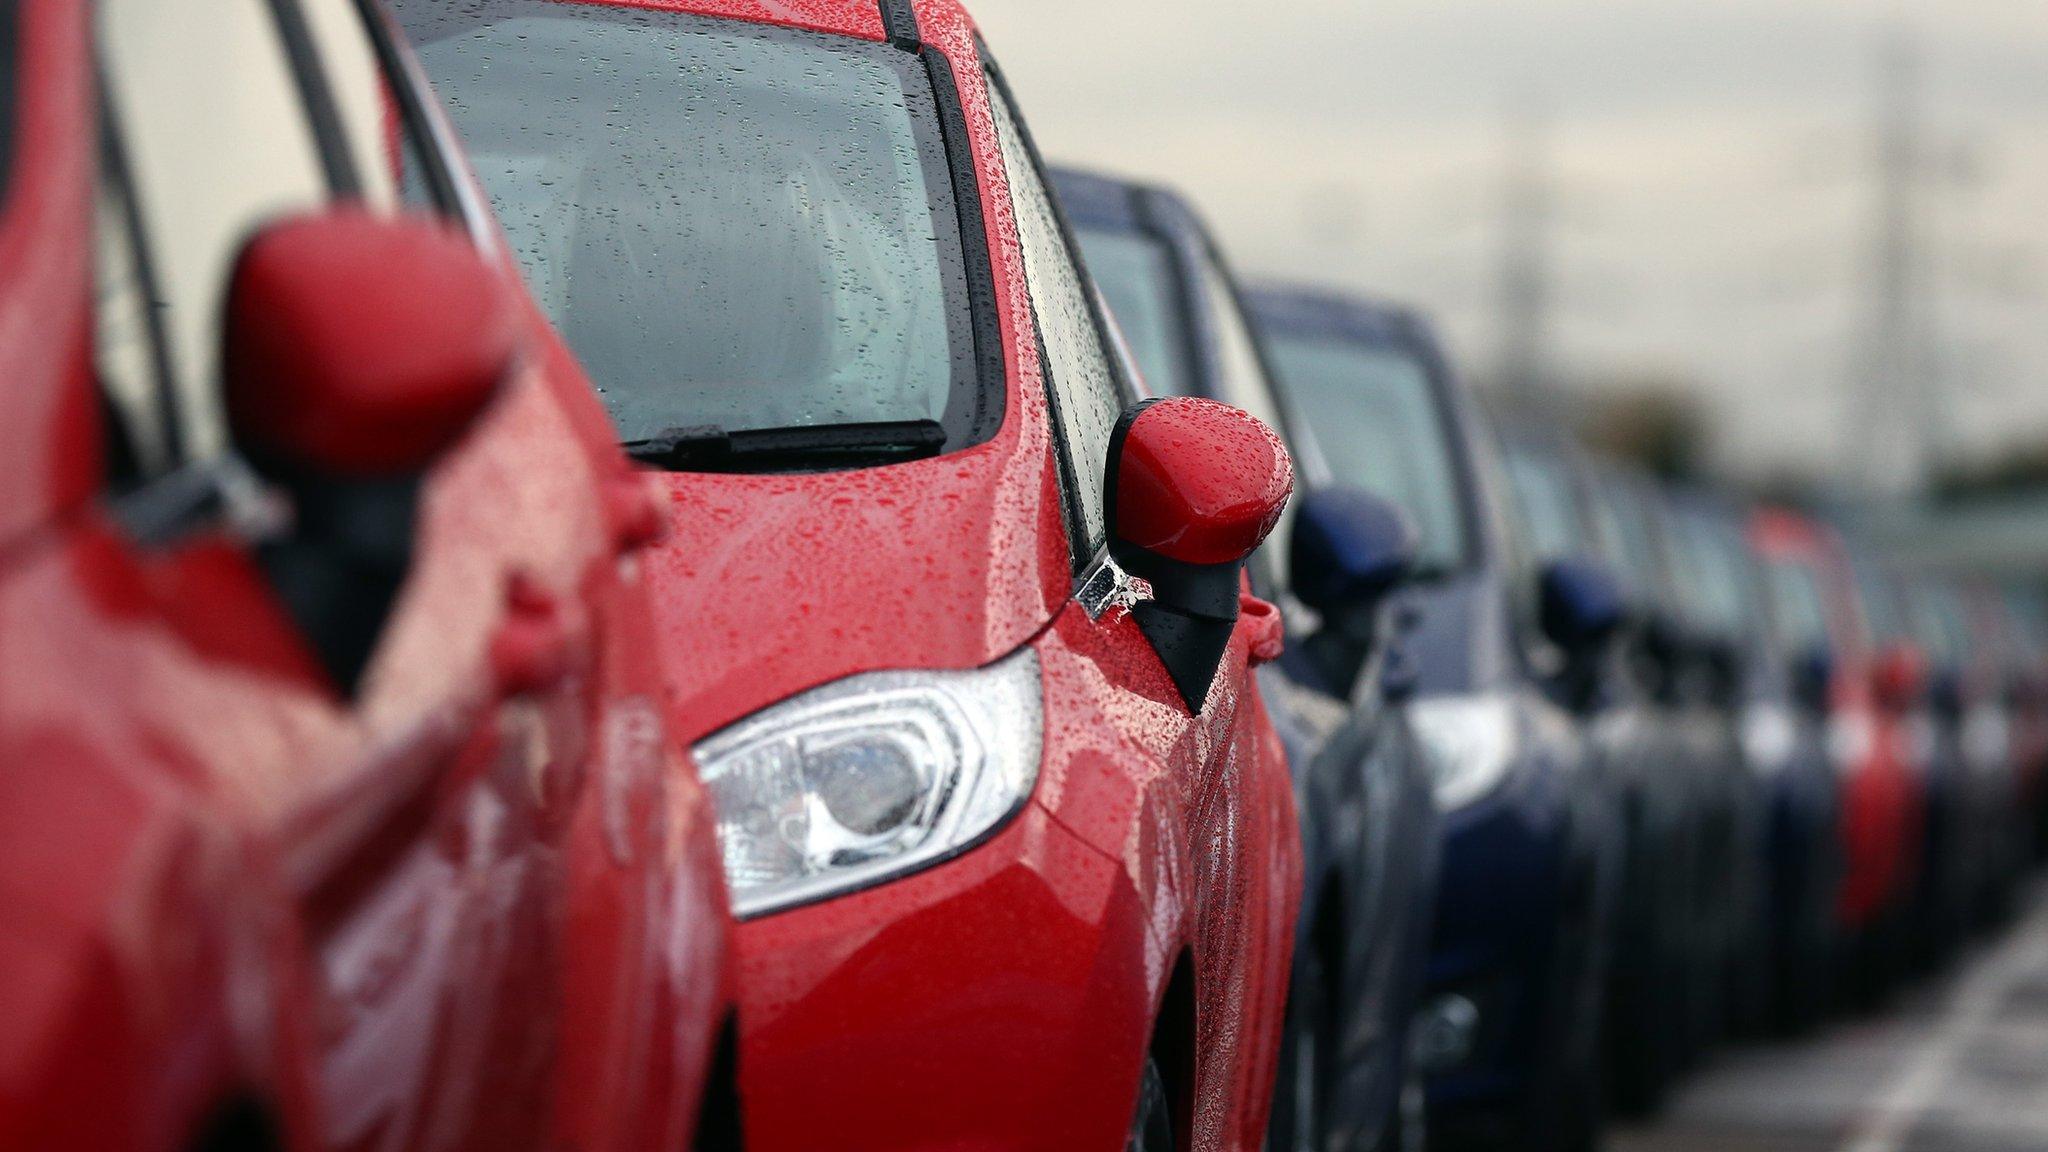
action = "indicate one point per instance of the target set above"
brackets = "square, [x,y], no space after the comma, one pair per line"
[1542,488]
[1715,571]
[1135,273]
[1379,425]
[735,227]
[1797,612]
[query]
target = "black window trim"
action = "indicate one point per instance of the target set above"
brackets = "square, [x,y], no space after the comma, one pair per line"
[416,112]
[1077,522]
[10,89]
[316,98]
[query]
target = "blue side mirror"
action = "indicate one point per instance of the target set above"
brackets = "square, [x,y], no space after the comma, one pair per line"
[1813,677]
[1349,549]
[1581,604]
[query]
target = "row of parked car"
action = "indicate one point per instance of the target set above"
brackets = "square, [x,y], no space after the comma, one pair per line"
[643,574]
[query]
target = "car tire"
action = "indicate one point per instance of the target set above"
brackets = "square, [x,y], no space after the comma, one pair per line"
[1152,1120]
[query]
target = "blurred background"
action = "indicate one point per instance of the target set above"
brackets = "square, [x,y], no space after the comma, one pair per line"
[1796,244]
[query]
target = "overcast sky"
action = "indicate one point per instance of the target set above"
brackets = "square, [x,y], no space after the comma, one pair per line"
[1712,157]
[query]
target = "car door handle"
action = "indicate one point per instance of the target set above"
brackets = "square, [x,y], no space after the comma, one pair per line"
[1264,626]
[540,642]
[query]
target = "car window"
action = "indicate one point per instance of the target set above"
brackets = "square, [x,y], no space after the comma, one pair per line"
[736,227]
[1135,272]
[1798,613]
[1086,393]
[1546,511]
[226,116]
[1378,424]
[1712,576]
[129,354]
[1241,378]
[10,72]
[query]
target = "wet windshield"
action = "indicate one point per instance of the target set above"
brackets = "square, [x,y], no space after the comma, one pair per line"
[1379,425]
[735,227]
[1797,612]
[1135,273]
[1542,488]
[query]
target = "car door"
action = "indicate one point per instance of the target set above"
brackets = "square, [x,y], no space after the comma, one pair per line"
[1214,846]
[415,801]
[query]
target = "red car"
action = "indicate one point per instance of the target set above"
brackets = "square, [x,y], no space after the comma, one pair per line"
[1843,673]
[338,810]
[1009,832]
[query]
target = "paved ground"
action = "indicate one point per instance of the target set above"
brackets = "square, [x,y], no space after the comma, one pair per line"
[1957,1065]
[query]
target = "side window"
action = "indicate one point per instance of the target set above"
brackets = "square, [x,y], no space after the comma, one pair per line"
[128,351]
[1086,392]
[1244,383]
[226,115]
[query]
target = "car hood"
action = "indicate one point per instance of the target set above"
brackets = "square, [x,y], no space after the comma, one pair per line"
[769,585]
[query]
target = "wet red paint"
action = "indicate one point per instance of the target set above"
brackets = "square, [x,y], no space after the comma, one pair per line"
[463,910]
[1880,797]
[1200,482]
[1005,999]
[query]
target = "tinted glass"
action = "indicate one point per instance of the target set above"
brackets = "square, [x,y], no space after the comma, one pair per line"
[1135,273]
[733,226]
[1084,387]
[1713,577]
[1797,610]
[1376,419]
[1543,498]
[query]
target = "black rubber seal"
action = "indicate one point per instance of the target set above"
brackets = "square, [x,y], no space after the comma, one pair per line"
[899,22]
[343,181]
[983,310]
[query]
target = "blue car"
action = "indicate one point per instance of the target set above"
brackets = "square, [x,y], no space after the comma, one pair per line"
[1364,787]
[1564,511]
[1784,798]
[1510,1028]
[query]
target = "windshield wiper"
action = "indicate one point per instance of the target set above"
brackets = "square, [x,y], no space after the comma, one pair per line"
[709,448]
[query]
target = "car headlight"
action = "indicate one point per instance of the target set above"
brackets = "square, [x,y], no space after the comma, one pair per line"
[870,778]
[1471,739]
[1770,736]
[1852,738]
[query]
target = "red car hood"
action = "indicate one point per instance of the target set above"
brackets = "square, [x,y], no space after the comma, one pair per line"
[769,585]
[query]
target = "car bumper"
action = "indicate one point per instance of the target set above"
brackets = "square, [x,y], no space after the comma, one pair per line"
[1505,901]
[999,1001]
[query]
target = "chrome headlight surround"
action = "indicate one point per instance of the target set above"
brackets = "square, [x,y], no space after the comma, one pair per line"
[871,778]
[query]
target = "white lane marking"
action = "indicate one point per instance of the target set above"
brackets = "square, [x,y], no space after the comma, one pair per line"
[1906,1099]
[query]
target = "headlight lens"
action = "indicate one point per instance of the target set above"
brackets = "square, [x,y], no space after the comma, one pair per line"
[1852,738]
[869,778]
[1770,735]
[1472,740]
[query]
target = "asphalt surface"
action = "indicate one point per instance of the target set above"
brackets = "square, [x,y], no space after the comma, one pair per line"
[1957,1064]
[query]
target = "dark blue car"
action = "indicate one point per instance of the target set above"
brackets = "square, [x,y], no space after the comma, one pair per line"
[1531,850]
[1784,797]
[1565,511]
[1368,823]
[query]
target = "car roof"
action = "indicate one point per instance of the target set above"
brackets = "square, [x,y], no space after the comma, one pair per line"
[1321,311]
[865,19]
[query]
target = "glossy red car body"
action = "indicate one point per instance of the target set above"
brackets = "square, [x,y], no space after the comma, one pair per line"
[476,903]
[1142,900]
[1879,806]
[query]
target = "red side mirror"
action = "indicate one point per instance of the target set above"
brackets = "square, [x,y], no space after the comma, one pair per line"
[1899,675]
[363,347]
[1194,486]
[1196,482]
